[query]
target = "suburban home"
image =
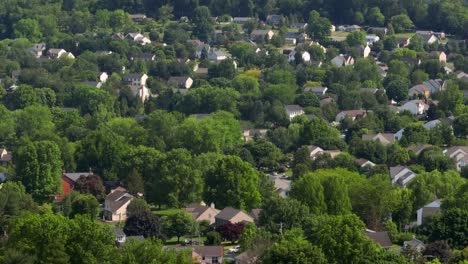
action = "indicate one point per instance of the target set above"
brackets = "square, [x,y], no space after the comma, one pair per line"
[274,20]
[319,91]
[181,81]
[202,212]
[290,41]
[371,39]
[401,175]
[250,134]
[326,101]
[462,76]
[352,114]
[293,111]
[362,163]
[298,37]
[439,55]
[403,42]
[305,55]
[427,88]
[138,18]
[428,210]
[298,25]
[200,46]
[380,238]
[414,244]
[353,28]
[415,107]
[37,49]
[208,254]
[459,154]
[5,157]
[59,53]
[428,37]
[118,36]
[103,76]
[314,150]
[135,80]
[382,138]
[143,57]
[231,215]
[217,55]
[138,38]
[115,205]
[364,51]
[241,20]
[261,34]
[342,60]
[121,238]
[282,185]
[417,149]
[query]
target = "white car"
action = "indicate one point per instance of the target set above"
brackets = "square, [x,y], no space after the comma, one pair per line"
[234,249]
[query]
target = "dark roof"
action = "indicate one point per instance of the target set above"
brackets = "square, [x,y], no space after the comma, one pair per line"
[178,79]
[228,213]
[209,250]
[118,231]
[74,176]
[380,238]
[118,198]
[133,75]
[293,108]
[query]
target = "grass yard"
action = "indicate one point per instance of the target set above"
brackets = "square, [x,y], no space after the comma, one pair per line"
[166,212]
[404,35]
[339,34]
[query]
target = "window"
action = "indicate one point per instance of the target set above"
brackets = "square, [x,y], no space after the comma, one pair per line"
[214,260]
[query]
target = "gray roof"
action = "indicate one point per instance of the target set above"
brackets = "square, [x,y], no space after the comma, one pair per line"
[74,176]
[315,89]
[293,108]
[380,238]
[195,210]
[228,213]
[209,250]
[395,170]
[118,231]
[118,198]
[133,75]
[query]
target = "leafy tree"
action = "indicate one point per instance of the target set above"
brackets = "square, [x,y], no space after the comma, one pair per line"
[460,126]
[401,23]
[265,154]
[80,204]
[232,182]
[39,167]
[13,201]
[288,212]
[92,184]
[318,28]
[294,248]
[27,28]
[143,223]
[397,89]
[398,68]
[356,38]
[135,183]
[419,76]
[202,23]
[247,238]
[440,250]
[336,196]
[34,122]
[309,190]
[230,231]
[375,17]
[414,134]
[213,238]
[180,224]
[136,206]
[152,251]
[450,226]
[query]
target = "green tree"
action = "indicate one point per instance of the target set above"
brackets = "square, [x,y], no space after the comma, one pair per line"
[336,196]
[81,204]
[318,28]
[180,224]
[27,28]
[397,90]
[143,223]
[401,23]
[286,212]
[460,126]
[309,190]
[213,238]
[450,226]
[375,17]
[294,248]
[152,251]
[247,238]
[13,201]
[356,38]
[202,23]
[232,182]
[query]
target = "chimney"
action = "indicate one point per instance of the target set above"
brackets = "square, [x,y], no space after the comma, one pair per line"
[212,205]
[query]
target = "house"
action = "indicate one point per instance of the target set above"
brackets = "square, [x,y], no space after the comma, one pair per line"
[274,20]
[382,138]
[332,28]
[403,42]
[103,76]
[427,88]
[37,49]
[314,151]
[298,37]
[118,36]
[68,183]
[362,163]
[342,60]
[353,28]
[428,38]
[414,244]
[439,55]
[380,238]
[428,210]
[115,205]
[217,55]
[208,254]
[181,81]
[250,134]
[231,215]
[416,107]
[200,48]
[59,53]
[247,257]
[371,39]
[326,101]
[319,91]
[431,124]
[138,38]
[401,175]
[293,111]
[282,185]
[352,114]
[241,20]
[364,51]
[121,238]
[201,212]
[135,80]
[143,57]
[138,18]
[305,55]
[290,41]
[261,34]
[298,25]
[462,76]
[377,30]
[417,149]
[459,154]
[5,157]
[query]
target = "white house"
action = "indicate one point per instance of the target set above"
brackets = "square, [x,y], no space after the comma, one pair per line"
[427,211]
[37,49]
[416,107]
[115,205]
[459,154]
[59,53]
[181,81]
[293,111]
[365,51]
[138,38]
[217,55]
[371,39]
[103,76]
[342,60]
[305,56]
[401,175]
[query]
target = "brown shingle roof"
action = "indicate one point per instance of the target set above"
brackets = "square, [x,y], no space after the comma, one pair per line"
[209,250]
[380,238]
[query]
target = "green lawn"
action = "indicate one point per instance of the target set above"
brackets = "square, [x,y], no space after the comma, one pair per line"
[340,34]
[404,35]
[166,212]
